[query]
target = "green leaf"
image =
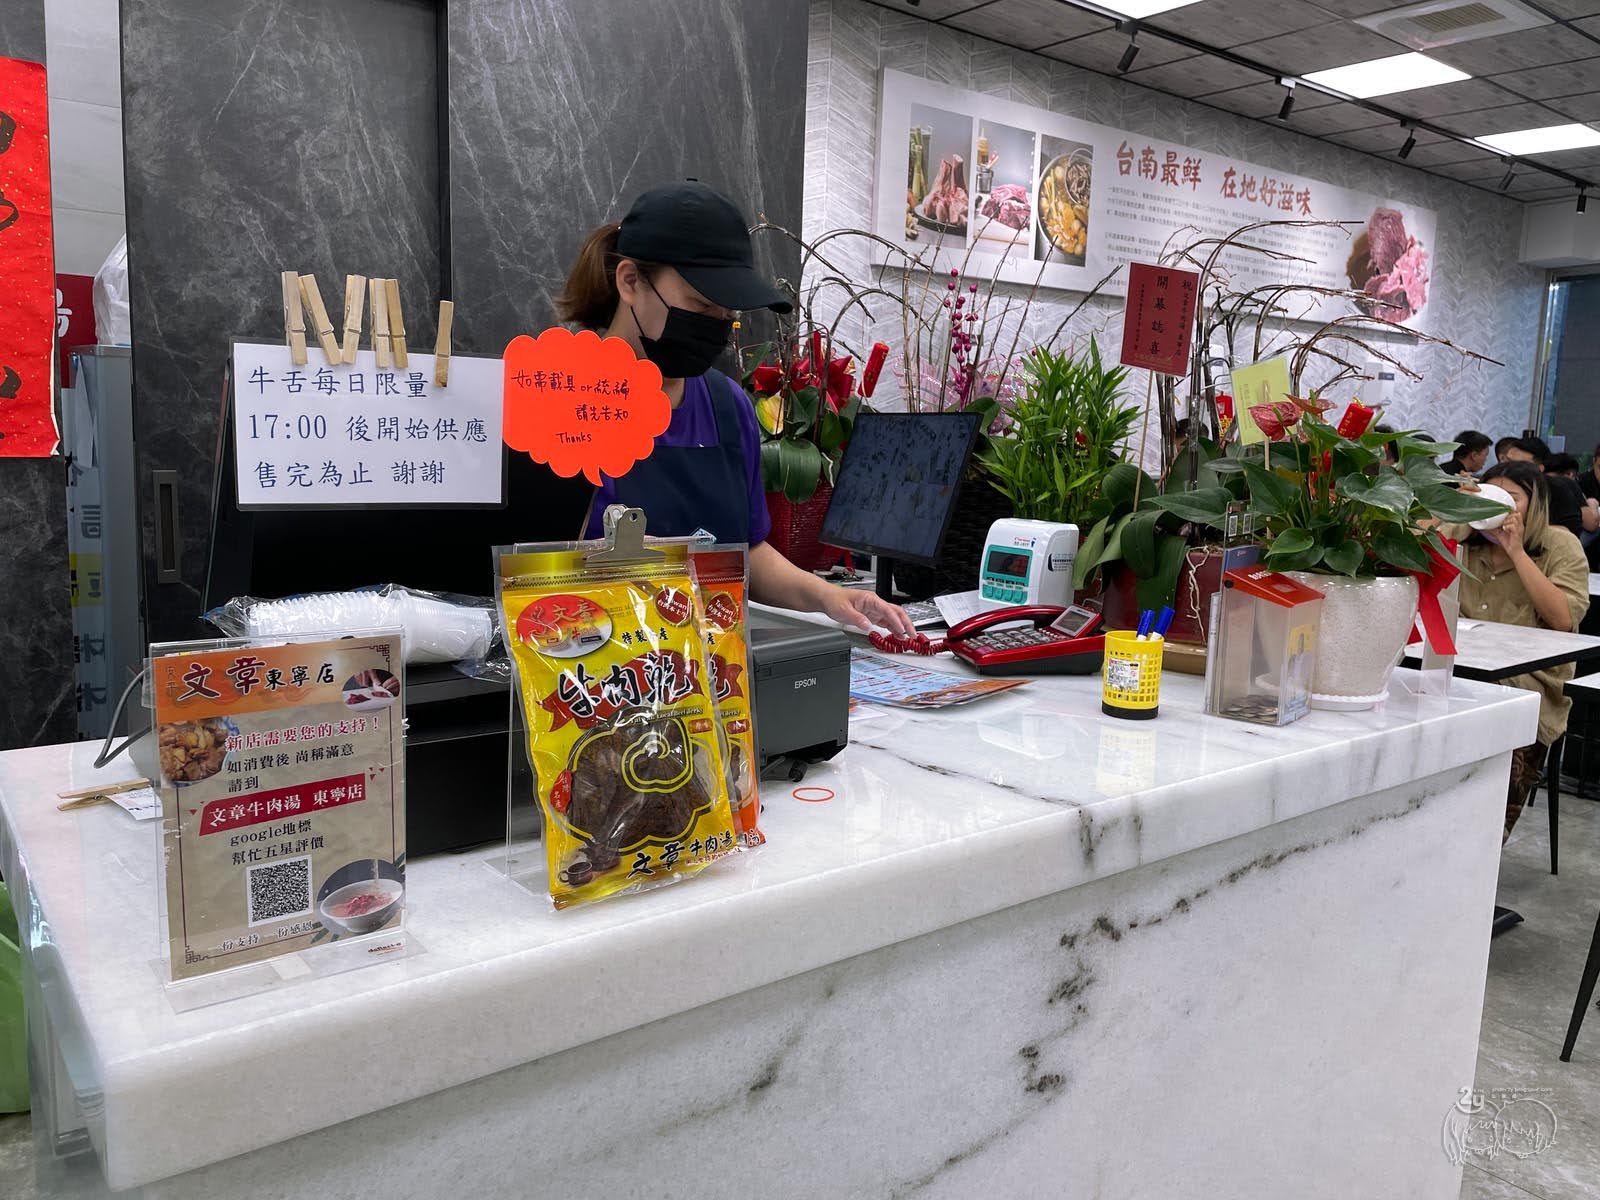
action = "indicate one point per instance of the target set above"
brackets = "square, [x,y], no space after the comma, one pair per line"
[799,468]
[1345,558]
[1445,502]
[1399,548]
[1291,541]
[1388,491]
[1270,495]
[1322,435]
[1120,482]
[1114,532]
[1139,543]
[1162,585]
[771,468]
[800,414]
[830,430]
[1208,506]
[1300,560]
[1091,553]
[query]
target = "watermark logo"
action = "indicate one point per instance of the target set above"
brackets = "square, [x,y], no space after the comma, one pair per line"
[1487,1124]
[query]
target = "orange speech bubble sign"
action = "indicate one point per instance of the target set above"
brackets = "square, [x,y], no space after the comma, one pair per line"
[582,403]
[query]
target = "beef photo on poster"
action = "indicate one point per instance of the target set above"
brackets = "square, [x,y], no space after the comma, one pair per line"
[938,203]
[1390,266]
[1066,174]
[1003,186]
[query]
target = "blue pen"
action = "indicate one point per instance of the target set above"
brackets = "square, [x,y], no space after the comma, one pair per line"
[1146,619]
[1164,621]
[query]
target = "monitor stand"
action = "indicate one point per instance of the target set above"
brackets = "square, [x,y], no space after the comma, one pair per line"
[883,569]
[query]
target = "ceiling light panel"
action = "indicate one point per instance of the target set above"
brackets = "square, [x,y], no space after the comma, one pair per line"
[1546,140]
[1385,76]
[1144,8]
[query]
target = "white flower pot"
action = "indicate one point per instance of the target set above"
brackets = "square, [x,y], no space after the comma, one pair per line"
[1365,625]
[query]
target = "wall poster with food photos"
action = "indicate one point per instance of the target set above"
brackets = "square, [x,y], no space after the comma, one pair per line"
[1031,194]
[283,797]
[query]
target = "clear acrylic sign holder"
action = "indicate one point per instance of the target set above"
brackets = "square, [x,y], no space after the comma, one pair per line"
[341,905]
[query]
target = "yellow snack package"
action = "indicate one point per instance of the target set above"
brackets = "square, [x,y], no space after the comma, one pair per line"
[611,669]
[722,575]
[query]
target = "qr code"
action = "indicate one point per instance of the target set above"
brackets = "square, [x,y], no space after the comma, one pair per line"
[1122,674]
[278,891]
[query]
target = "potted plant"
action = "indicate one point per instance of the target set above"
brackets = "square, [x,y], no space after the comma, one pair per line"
[1060,459]
[1359,531]
[806,406]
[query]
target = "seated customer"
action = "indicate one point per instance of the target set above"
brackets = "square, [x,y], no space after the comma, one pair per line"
[1527,572]
[1470,455]
[1501,447]
[1589,480]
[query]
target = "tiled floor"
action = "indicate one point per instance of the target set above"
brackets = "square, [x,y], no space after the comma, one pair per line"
[1533,976]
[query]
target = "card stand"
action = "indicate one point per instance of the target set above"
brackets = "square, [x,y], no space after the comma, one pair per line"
[284,848]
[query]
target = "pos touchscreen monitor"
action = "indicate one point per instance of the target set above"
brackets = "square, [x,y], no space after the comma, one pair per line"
[897,487]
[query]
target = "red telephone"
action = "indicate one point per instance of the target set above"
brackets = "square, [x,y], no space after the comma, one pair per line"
[1057,643]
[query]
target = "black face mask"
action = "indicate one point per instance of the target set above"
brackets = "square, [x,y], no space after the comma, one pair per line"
[689,344]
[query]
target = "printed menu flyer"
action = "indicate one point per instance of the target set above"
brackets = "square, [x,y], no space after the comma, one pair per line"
[902,683]
[283,797]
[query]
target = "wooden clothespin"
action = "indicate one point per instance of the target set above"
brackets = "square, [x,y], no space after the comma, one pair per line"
[397,324]
[441,345]
[311,295]
[355,298]
[294,322]
[380,321]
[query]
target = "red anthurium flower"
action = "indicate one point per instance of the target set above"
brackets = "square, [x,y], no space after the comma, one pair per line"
[767,379]
[800,376]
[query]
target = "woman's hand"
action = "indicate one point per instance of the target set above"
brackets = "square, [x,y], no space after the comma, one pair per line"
[862,610]
[1509,536]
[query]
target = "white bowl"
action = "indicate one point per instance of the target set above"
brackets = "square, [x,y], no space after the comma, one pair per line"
[371,919]
[1488,491]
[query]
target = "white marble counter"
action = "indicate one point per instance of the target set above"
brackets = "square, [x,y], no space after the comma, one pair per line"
[939,821]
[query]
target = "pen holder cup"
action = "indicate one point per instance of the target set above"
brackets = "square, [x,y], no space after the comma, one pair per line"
[1130,681]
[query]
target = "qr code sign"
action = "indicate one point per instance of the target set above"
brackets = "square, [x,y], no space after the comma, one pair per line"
[1122,674]
[278,891]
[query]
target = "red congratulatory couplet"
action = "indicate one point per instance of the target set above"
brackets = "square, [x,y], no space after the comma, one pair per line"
[582,403]
[27,248]
[1159,319]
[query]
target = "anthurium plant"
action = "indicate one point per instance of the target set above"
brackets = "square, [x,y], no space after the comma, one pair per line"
[1330,503]
[806,404]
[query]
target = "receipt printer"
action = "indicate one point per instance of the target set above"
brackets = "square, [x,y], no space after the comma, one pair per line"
[801,687]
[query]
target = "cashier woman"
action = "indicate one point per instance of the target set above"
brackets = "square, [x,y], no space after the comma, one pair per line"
[668,280]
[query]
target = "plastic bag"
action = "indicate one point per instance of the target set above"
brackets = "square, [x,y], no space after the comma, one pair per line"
[438,628]
[722,575]
[613,676]
[111,323]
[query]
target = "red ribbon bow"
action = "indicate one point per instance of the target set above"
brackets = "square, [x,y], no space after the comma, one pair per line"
[1441,573]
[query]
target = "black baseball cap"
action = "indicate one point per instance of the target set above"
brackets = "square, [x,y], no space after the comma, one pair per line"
[699,232]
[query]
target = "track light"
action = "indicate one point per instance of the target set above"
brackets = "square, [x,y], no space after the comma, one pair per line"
[1583,201]
[1128,55]
[1287,106]
[1411,144]
[1511,174]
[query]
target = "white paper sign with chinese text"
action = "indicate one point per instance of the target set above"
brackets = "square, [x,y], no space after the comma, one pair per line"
[1038,195]
[316,436]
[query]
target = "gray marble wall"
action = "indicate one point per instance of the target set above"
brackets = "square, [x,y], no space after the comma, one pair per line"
[36,695]
[562,112]
[304,135]
[260,138]
[1486,299]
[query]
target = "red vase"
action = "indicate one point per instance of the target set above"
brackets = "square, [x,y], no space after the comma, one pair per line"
[796,526]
